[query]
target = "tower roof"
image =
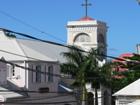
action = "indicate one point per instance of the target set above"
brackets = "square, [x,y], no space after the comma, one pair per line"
[86,18]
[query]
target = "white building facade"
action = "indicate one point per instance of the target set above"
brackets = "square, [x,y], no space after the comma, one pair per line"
[29,79]
[40,62]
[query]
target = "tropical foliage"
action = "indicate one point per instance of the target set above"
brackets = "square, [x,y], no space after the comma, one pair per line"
[132,72]
[82,66]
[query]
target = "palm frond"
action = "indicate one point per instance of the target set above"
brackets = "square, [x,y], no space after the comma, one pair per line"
[74,55]
[69,68]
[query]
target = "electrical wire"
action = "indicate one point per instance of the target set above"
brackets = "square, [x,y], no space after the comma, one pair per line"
[25,35]
[39,98]
[21,55]
[54,43]
[58,44]
[39,103]
[29,69]
[27,101]
[33,91]
[31,26]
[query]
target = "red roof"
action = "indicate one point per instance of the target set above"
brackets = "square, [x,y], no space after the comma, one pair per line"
[123,57]
[126,55]
[118,76]
[86,18]
[119,68]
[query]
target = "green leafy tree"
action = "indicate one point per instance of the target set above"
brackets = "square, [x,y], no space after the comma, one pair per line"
[132,64]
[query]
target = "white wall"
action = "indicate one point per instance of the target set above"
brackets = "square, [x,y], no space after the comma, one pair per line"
[18,79]
[3,73]
[125,100]
[27,79]
[33,85]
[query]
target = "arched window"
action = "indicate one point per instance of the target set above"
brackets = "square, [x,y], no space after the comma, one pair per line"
[50,74]
[83,37]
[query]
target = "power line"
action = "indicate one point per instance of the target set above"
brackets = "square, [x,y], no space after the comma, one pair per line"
[31,37]
[45,73]
[29,69]
[39,103]
[31,26]
[58,44]
[39,98]
[33,91]
[20,55]
[54,43]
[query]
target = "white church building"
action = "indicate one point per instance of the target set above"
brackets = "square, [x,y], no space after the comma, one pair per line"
[43,57]
[30,54]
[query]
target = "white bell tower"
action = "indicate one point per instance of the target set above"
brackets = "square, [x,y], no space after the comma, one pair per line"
[87,33]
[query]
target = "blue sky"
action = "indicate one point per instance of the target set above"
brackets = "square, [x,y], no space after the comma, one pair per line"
[51,16]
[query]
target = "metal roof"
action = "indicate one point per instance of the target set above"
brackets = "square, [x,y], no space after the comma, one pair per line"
[42,50]
[29,48]
[130,90]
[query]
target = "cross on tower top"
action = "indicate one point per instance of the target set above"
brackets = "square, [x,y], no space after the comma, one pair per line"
[86,7]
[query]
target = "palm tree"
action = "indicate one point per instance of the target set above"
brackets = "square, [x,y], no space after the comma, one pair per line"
[106,81]
[76,66]
[92,72]
[83,67]
[106,73]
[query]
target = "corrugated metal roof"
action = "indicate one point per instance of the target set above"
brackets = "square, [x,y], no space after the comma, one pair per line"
[10,45]
[30,52]
[130,90]
[41,50]
[29,48]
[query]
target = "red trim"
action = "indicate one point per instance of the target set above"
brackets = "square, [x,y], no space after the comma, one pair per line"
[86,18]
